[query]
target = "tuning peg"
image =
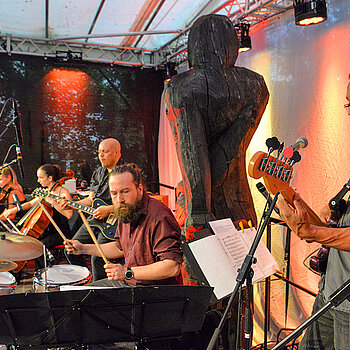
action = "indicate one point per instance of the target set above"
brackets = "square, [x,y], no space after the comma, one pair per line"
[273,143]
[296,157]
[280,148]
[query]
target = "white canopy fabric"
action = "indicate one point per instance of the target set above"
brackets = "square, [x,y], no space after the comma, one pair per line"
[116,19]
[70,18]
[147,33]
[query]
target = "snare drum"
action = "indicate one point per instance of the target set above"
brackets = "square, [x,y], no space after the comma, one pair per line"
[7,283]
[61,275]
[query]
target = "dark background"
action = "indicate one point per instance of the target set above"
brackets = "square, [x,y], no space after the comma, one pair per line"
[68,108]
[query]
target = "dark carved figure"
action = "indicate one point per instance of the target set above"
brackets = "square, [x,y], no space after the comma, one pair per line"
[214,109]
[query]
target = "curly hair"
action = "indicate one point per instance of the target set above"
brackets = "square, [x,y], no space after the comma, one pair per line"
[131,168]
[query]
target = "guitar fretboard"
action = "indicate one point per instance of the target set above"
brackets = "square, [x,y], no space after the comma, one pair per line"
[72,204]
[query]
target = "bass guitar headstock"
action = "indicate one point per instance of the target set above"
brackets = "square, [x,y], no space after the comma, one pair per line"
[276,171]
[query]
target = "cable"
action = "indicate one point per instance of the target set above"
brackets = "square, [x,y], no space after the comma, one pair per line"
[8,152]
[3,107]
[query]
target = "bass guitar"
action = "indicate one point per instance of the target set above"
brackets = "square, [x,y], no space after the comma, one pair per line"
[277,175]
[107,226]
[337,206]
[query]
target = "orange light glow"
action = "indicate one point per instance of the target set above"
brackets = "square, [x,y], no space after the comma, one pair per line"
[68,99]
[309,21]
[244,49]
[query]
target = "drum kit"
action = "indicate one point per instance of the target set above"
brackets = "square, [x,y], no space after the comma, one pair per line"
[16,247]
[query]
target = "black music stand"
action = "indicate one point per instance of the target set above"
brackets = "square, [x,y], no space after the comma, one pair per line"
[100,316]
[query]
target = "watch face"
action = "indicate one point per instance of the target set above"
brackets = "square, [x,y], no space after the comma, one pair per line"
[129,274]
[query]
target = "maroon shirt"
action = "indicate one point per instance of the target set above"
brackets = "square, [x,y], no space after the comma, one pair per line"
[154,237]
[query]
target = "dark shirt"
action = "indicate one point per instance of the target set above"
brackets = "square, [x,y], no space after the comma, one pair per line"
[99,183]
[50,237]
[338,268]
[155,237]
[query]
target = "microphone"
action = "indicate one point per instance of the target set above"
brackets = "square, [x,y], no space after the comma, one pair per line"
[51,259]
[262,189]
[17,202]
[18,124]
[20,161]
[302,142]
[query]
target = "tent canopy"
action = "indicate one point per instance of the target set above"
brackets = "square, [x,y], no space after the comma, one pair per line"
[155,29]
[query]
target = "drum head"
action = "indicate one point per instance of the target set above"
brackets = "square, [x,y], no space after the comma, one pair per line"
[6,279]
[63,274]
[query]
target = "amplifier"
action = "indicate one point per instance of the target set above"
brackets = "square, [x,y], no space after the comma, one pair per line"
[162,198]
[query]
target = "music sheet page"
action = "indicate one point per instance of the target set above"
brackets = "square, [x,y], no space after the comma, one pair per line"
[237,245]
[221,255]
[231,241]
[215,265]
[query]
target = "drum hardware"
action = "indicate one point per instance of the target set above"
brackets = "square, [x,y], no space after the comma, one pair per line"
[45,270]
[7,283]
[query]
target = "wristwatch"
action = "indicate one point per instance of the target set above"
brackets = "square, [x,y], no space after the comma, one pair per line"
[129,274]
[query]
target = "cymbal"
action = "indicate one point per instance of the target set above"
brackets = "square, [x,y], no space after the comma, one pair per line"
[7,265]
[17,247]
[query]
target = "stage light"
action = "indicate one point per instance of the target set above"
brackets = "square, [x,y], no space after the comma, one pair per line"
[69,56]
[245,43]
[309,12]
[170,70]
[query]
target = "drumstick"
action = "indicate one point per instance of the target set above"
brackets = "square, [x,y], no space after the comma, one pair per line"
[15,227]
[92,236]
[53,222]
[6,227]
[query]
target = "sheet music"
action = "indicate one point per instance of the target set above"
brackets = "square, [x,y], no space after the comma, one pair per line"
[266,264]
[65,288]
[237,244]
[219,256]
[216,267]
[231,240]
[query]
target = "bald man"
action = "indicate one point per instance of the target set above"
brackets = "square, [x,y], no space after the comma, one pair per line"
[109,155]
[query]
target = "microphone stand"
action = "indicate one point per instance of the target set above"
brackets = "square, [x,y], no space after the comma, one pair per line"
[11,122]
[336,298]
[8,164]
[245,273]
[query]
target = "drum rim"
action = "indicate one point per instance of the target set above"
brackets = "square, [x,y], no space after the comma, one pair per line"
[52,284]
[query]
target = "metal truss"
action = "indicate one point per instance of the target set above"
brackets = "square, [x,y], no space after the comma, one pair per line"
[88,52]
[250,11]
[255,11]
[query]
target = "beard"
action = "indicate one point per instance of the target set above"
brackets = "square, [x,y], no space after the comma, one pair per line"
[128,213]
